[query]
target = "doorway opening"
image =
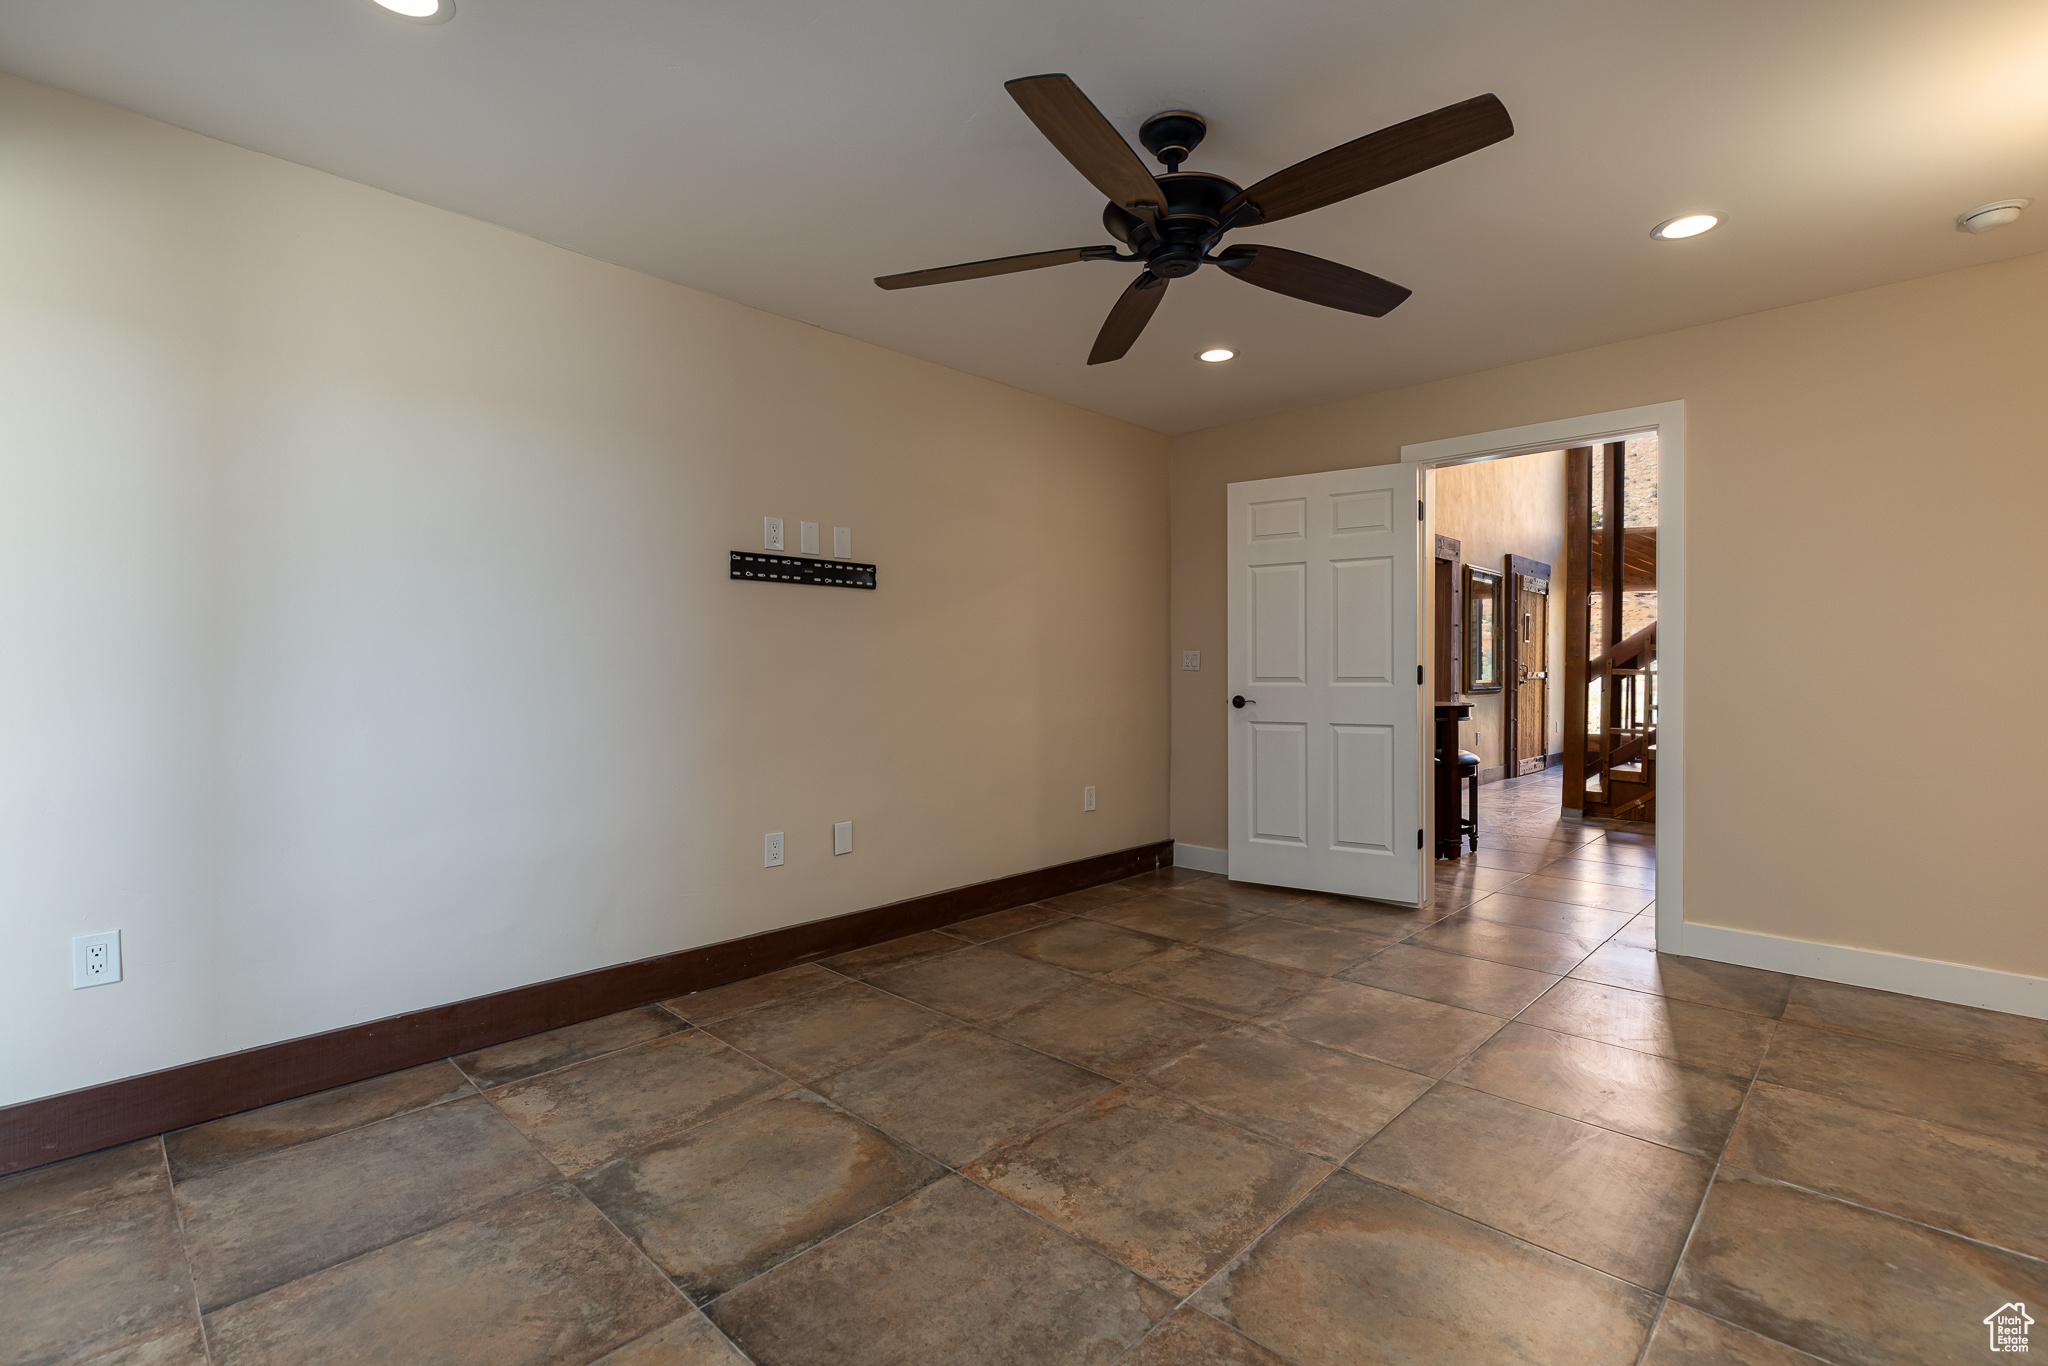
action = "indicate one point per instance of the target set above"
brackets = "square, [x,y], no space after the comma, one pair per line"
[1635,661]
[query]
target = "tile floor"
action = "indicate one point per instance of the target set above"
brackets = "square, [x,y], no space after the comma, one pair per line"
[1168,1122]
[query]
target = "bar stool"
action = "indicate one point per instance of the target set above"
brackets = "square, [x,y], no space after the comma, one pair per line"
[1468,772]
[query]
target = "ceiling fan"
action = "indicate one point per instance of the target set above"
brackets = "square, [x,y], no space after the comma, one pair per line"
[1173,222]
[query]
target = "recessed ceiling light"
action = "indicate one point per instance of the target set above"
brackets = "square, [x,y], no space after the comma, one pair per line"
[419,11]
[1686,225]
[1216,353]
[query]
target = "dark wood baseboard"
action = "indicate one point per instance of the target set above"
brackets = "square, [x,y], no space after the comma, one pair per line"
[1493,775]
[82,1121]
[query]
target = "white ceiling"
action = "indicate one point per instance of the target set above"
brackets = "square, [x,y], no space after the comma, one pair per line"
[782,153]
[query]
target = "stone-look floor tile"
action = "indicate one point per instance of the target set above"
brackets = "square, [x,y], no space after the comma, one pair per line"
[1082,945]
[213,1145]
[107,1275]
[1527,844]
[1407,1031]
[1222,983]
[1688,979]
[539,1053]
[770,988]
[1466,877]
[1291,944]
[818,1035]
[732,1198]
[1987,1034]
[1613,1202]
[283,1215]
[79,1183]
[1686,1337]
[1991,1189]
[977,983]
[958,1093]
[1516,945]
[1599,895]
[1170,915]
[1845,1283]
[689,1341]
[1166,1190]
[584,1116]
[1316,1099]
[1160,878]
[1110,1029]
[1725,1040]
[1641,932]
[1452,978]
[1641,855]
[1361,1273]
[1245,896]
[1092,898]
[1017,919]
[1582,923]
[178,1346]
[952,1275]
[540,1278]
[1511,860]
[893,953]
[1982,1097]
[1192,1338]
[1636,876]
[1673,1103]
[1376,918]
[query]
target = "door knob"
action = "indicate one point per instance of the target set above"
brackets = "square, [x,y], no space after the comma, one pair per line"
[1240,703]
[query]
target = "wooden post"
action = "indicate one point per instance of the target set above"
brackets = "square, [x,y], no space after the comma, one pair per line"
[1578,544]
[1613,571]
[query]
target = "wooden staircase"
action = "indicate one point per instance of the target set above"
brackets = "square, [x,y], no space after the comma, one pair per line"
[1621,748]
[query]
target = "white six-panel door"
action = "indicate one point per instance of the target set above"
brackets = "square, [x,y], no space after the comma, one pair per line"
[1324,759]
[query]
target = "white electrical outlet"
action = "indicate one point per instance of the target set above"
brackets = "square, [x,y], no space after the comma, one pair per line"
[771,850]
[95,959]
[1087,799]
[807,538]
[1191,660]
[771,533]
[842,837]
[842,542]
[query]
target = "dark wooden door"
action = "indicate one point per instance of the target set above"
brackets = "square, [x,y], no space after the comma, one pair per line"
[1532,676]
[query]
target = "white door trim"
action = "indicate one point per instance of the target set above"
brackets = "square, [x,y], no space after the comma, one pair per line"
[1668,421]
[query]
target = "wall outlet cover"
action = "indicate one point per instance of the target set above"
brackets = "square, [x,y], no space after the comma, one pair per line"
[1087,799]
[771,850]
[1191,660]
[842,543]
[95,959]
[771,533]
[807,538]
[842,837]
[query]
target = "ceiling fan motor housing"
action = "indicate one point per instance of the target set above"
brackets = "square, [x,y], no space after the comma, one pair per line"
[1194,203]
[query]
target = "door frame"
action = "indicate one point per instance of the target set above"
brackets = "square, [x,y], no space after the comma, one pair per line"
[1668,421]
[1515,566]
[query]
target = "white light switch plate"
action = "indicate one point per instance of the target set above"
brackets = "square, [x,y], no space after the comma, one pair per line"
[807,538]
[1191,660]
[842,542]
[1087,799]
[771,533]
[771,850]
[842,837]
[95,959]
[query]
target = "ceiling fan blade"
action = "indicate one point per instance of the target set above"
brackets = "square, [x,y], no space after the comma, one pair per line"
[1072,123]
[1311,278]
[1001,265]
[1376,159]
[1134,308]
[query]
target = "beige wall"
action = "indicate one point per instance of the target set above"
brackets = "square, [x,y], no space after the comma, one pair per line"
[1494,509]
[365,640]
[1864,479]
